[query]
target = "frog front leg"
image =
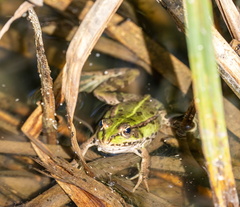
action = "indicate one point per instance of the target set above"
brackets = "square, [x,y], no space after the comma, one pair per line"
[87,144]
[144,169]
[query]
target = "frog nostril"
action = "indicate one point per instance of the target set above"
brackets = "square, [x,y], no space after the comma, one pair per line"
[105,123]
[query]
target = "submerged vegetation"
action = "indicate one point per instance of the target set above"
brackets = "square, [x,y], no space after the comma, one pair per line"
[54,54]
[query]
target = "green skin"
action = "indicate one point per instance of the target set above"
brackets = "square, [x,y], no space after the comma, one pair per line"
[130,125]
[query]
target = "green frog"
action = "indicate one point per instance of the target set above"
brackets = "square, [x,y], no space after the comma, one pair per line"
[132,122]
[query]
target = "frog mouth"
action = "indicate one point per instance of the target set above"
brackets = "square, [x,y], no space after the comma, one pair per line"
[118,148]
[132,143]
[135,131]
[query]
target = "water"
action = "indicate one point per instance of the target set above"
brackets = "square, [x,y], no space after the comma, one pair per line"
[177,174]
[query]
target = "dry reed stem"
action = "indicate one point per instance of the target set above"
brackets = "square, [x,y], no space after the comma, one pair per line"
[227,59]
[25,149]
[81,46]
[48,104]
[132,37]
[79,49]
[80,187]
[46,156]
[231,16]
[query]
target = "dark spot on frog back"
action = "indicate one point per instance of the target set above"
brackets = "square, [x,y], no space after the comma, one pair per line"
[139,113]
[152,122]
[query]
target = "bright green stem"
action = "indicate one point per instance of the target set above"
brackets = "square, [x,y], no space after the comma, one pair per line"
[208,100]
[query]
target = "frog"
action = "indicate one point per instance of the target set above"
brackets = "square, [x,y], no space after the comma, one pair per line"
[132,122]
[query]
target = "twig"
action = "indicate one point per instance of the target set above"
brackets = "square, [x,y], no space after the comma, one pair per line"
[25,149]
[231,17]
[74,182]
[150,52]
[227,59]
[83,42]
[49,122]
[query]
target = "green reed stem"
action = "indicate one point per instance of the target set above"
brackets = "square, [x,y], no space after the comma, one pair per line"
[208,100]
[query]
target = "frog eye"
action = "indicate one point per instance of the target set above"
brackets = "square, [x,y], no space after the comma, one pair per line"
[127,132]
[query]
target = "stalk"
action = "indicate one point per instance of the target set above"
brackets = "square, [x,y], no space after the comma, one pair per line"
[209,102]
